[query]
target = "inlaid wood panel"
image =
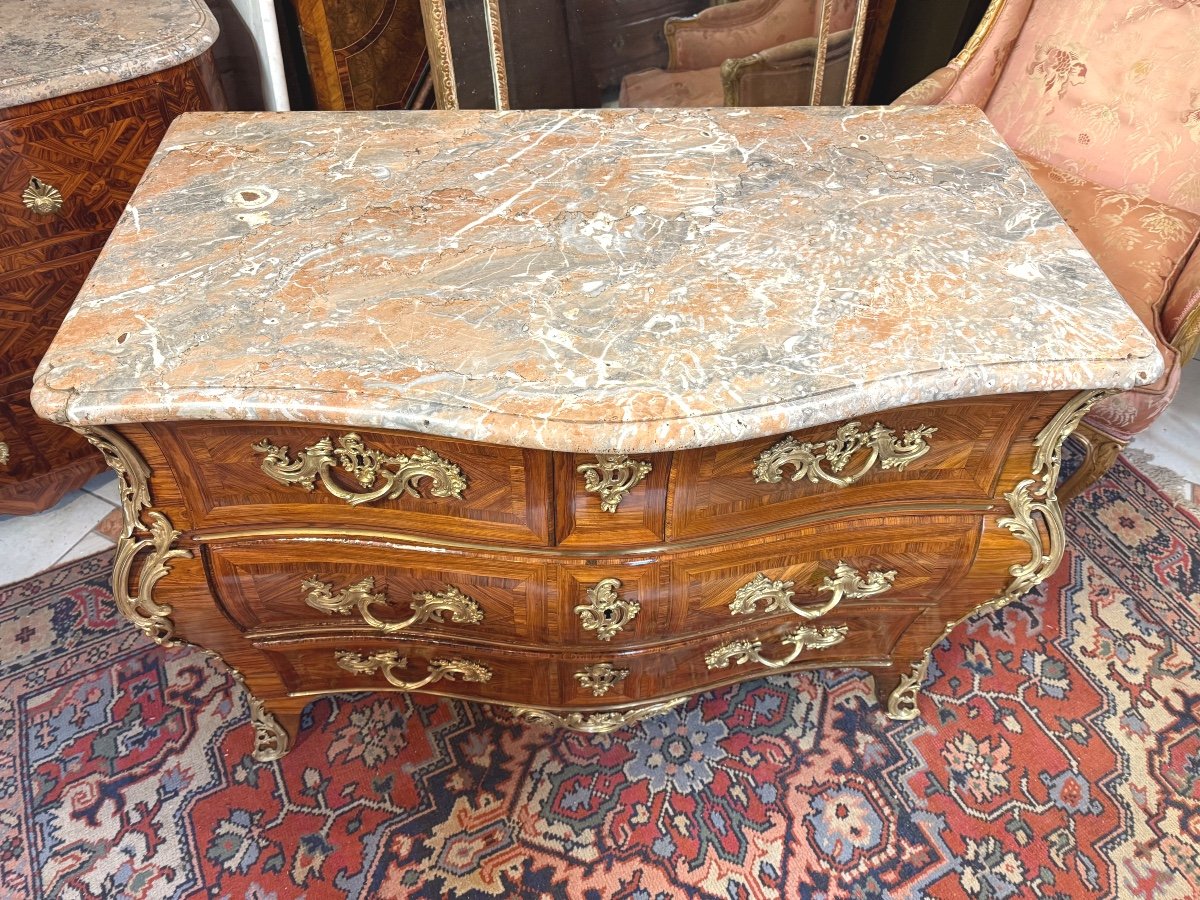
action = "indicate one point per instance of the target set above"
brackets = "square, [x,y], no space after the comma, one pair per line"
[928,554]
[94,157]
[44,461]
[714,490]
[34,298]
[506,497]
[680,667]
[261,587]
[626,599]
[365,54]
[92,147]
[311,666]
[640,514]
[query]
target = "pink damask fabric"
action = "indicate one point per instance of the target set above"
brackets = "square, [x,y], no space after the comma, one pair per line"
[1110,91]
[750,26]
[1139,244]
[978,80]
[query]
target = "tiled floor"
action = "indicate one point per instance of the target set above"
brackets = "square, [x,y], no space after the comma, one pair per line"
[87,521]
[84,522]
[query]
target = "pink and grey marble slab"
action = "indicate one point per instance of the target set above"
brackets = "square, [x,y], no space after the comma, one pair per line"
[49,48]
[600,280]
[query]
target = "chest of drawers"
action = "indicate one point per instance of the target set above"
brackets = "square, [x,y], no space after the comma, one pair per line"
[396,465]
[87,93]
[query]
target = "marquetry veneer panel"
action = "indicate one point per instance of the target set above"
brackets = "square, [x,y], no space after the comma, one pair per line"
[93,147]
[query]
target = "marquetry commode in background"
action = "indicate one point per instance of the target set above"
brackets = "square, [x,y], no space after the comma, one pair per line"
[87,90]
[583,412]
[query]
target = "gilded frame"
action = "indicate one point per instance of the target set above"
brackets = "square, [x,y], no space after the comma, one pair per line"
[441,55]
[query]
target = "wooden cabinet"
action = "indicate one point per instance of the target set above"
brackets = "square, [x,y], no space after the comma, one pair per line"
[587,594]
[91,148]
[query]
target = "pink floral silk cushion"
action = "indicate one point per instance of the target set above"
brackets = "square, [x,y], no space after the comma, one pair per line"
[1140,245]
[1108,90]
[677,89]
[751,26]
[978,79]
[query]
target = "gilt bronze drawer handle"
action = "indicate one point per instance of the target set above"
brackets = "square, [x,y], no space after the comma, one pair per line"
[597,722]
[803,638]
[426,606]
[387,661]
[605,612]
[824,461]
[600,678]
[846,582]
[613,476]
[400,473]
[41,198]
[3,453]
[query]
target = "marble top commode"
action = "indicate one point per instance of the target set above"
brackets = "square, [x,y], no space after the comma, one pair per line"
[589,281]
[50,48]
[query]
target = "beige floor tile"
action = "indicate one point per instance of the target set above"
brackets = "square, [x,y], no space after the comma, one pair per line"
[32,544]
[90,543]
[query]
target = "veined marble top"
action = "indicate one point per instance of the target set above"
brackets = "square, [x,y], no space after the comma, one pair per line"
[49,48]
[590,281]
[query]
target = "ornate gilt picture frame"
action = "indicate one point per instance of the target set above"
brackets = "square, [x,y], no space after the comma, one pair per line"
[441,54]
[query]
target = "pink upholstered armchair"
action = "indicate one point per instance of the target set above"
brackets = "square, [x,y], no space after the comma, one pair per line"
[748,53]
[1101,101]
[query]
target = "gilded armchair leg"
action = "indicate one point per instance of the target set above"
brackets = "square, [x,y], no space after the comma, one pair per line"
[1100,450]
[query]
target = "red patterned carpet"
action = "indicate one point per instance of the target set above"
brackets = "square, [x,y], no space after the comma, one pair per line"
[1057,756]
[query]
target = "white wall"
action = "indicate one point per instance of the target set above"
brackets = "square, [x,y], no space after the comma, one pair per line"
[248,54]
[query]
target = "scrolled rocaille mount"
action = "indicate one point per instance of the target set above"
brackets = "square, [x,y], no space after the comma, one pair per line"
[398,473]
[142,529]
[596,722]
[827,460]
[387,662]
[612,477]
[1031,502]
[361,596]
[777,595]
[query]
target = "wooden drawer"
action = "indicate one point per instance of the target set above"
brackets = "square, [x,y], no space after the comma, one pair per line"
[726,488]
[344,664]
[593,680]
[309,587]
[752,582]
[865,637]
[613,602]
[611,501]
[638,676]
[488,492]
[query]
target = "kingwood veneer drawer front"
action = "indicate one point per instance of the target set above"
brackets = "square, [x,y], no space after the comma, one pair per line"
[813,574]
[313,587]
[592,680]
[940,453]
[476,673]
[597,678]
[798,575]
[264,474]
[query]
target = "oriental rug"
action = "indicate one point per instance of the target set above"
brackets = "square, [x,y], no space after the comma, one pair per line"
[1057,756]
